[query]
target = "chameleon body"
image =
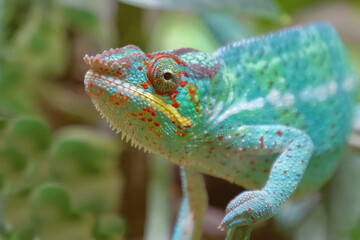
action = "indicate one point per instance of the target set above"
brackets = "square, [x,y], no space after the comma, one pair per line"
[270,113]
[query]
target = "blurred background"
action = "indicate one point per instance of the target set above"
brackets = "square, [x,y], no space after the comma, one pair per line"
[65,175]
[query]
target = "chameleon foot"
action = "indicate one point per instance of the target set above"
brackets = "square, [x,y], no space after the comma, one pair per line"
[247,208]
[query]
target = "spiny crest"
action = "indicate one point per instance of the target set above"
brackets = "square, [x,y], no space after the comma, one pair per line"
[118,53]
[113,61]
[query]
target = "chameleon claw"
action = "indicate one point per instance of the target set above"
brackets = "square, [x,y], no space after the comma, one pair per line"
[221,228]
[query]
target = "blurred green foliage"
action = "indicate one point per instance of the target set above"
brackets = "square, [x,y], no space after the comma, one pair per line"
[54,184]
[46,179]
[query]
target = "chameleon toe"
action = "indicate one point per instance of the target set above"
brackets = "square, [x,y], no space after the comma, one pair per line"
[249,207]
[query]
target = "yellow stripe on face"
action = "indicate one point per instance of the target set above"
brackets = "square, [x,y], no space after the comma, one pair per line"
[168,110]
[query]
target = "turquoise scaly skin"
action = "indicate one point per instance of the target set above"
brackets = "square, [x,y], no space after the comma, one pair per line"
[270,113]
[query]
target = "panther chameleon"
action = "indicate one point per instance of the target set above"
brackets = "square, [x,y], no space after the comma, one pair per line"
[269,113]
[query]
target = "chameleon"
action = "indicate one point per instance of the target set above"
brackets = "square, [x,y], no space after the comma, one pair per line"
[271,113]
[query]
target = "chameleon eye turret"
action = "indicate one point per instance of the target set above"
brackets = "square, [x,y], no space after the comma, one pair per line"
[271,114]
[165,74]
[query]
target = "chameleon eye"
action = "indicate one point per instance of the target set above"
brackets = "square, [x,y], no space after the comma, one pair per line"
[168,76]
[165,75]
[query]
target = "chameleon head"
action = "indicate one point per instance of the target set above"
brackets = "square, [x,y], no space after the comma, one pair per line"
[150,98]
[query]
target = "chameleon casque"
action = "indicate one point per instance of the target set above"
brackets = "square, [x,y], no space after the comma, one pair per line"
[270,113]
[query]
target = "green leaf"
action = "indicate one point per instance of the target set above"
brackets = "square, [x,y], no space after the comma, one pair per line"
[52,195]
[355,232]
[108,227]
[12,159]
[239,233]
[31,133]
[85,155]
[82,149]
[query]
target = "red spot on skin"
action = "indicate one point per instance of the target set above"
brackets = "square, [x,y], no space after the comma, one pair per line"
[140,68]
[156,124]
[192,89]
[144,85]
[261,142]
[140,114]
[153,114]
[298,146]
[117,103]
[289,149]
[279,133]
[252,162]
[173,94]
[302,161]
[185,74]
[236,135]
[175,104]
[252,218]
[183,83]
[143,119]
[285,172]
[220,138]
[111,99]
[186,152]
[149,119]
[249,209]
[212,148]
[228,148]
[180,134]
[134,114]
[298,175]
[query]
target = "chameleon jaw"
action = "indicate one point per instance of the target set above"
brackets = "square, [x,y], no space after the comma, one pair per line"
[156,102]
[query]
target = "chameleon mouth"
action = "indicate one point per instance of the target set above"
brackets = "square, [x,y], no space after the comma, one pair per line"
[156,102]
